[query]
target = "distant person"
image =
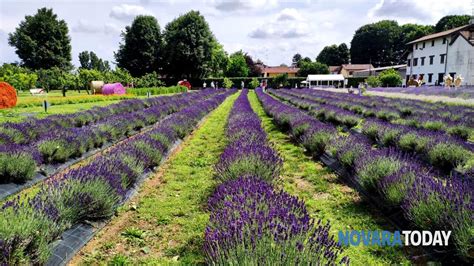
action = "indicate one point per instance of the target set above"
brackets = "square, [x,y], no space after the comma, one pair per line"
[212,85]
[204,85]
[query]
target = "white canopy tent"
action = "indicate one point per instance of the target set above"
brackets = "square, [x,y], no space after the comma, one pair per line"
[327,78]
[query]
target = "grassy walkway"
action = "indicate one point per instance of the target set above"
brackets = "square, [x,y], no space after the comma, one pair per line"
[166,222]
[325,197]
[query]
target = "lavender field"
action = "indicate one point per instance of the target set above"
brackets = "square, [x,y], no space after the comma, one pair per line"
[462,92]
[221,176]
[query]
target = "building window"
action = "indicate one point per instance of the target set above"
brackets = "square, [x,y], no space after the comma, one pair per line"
[441,60]
[416,46]
[440,78]
[432,43]
[452,74]
[444,40]
[430,77]
[424,45]
[431,59]
[422,60]
[408,62]
[415,61]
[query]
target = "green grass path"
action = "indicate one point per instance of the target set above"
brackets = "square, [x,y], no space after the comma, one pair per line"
[166,224]
[325,197]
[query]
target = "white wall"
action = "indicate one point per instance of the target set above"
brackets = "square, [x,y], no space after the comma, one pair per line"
[461,60]
[436,68]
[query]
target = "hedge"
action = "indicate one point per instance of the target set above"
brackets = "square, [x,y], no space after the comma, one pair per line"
[155,90]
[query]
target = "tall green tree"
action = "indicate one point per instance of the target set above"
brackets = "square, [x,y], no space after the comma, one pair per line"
[237,66]
[188,46]
[451,21]
[254,69]
[219,61]
[89,60]
[296,59]
[334,55]
[142,47]
[376,43]
[307,68]
[42,41]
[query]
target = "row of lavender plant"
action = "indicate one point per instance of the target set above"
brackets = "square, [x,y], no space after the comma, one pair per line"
[28,226]
[439,150]
[58,138]
[465,92]
[252,222]
[389,176]
[453,120]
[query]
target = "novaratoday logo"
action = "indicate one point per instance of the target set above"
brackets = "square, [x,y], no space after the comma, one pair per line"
[396,238]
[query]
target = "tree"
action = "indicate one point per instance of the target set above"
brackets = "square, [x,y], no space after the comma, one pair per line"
[219,61]
[334,55]
[307,68]
[227,83]
[53,79]
[373,81]
[142,47]
[20,78]
[296,59]
[88,75]
[237,66]
[451,21]
[281,80]
[42,41]
[89,60]
[376,43]
[188,46]
[254,69]
[148,81]
[254,83]
[390,78]
[409,32]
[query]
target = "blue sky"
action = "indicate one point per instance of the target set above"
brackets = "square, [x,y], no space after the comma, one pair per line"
[270,30]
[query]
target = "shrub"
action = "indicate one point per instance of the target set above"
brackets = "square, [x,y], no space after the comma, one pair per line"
[390,78]
[394,188]
[56,150]
[227,83]
[460,131]
[316,141]
[26,233]
[376,168]
[255,159]
[16,167]
[411,142]
[148,80]
[79,200]
[254,83]
[251,224]
[371,130]
[448,156]
[373,81]
[433,125]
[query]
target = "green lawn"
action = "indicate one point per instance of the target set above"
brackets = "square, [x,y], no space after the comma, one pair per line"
[19,114]
[326,198]
[166,222]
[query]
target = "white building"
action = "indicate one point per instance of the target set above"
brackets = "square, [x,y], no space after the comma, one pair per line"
[448,52]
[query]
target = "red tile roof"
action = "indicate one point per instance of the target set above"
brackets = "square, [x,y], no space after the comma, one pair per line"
[333,69]
[280,69]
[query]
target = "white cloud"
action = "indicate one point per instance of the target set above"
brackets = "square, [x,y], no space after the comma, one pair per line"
[85,27]
[287,24]
[111,28]
[128,12]
[243,5]
[426,11]
[289,14]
